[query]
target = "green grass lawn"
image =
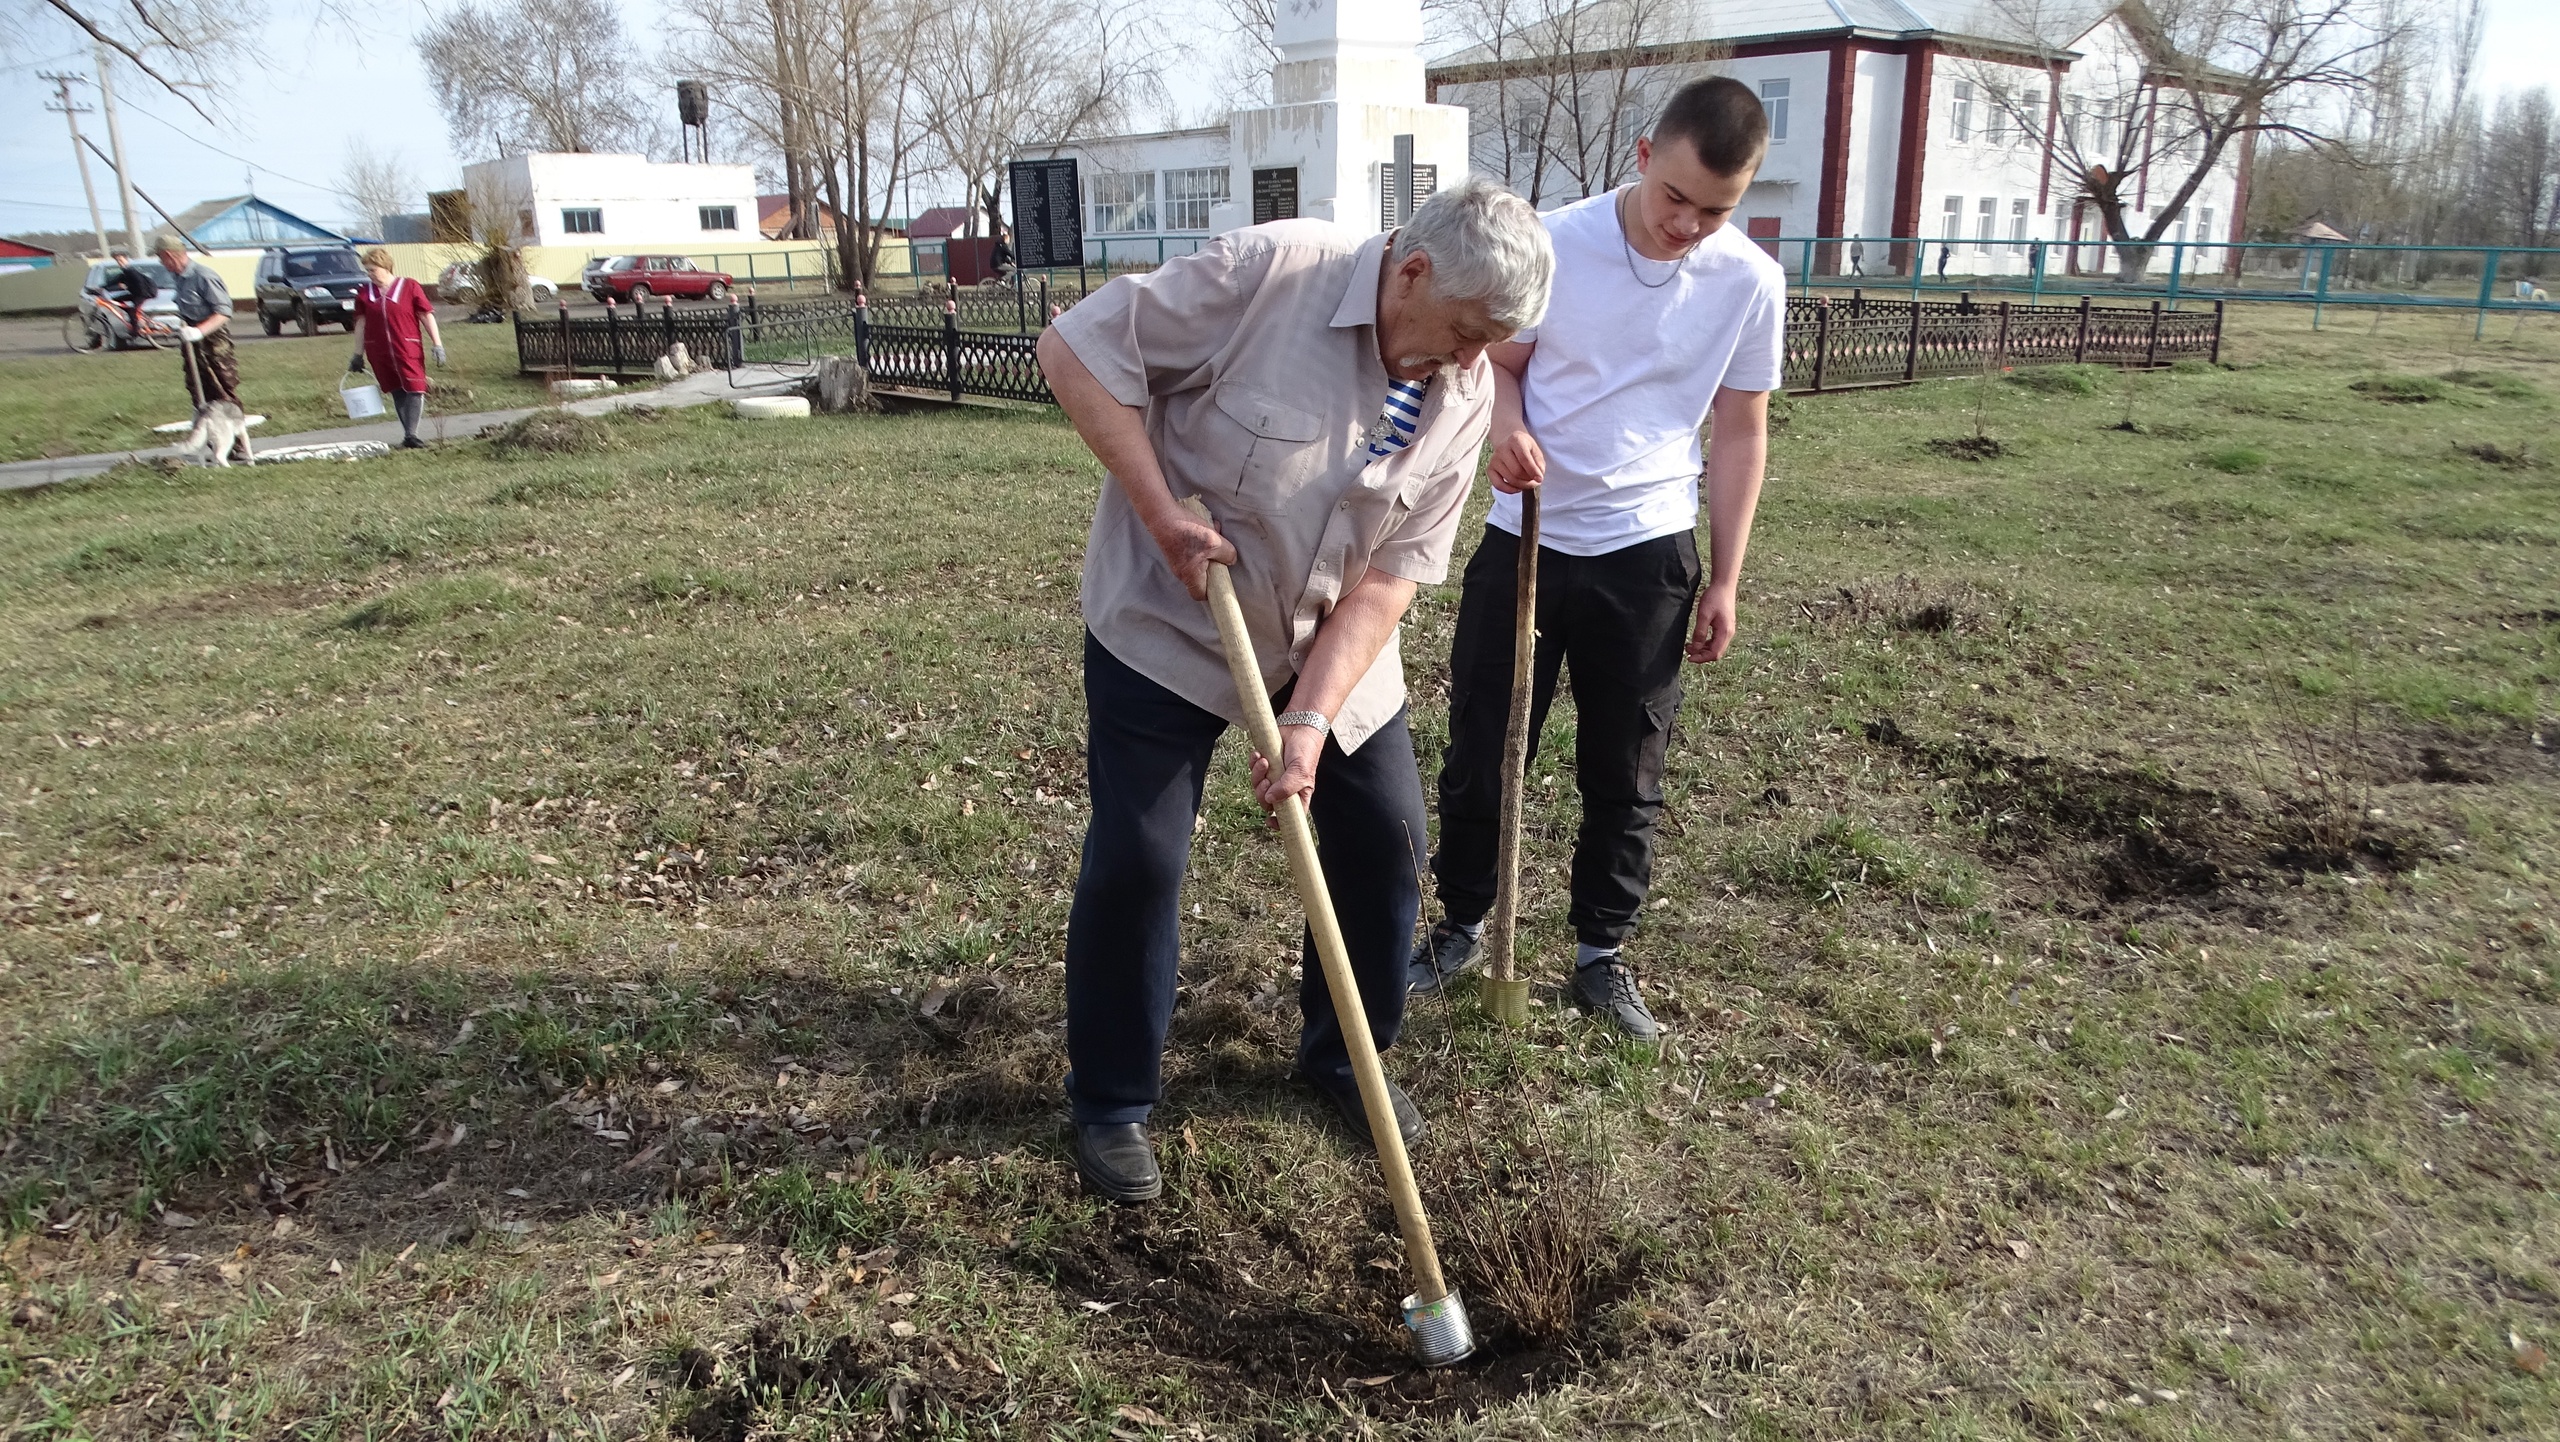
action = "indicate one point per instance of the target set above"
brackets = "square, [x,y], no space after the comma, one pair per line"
[567,946]
[70,405]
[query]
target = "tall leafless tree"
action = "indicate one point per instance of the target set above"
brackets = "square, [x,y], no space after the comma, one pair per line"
[377,185]
[1566,86]
[517,76]
[189,48]
[2204,75]
[1005,79]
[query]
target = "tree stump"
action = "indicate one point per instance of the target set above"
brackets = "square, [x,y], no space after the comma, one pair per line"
[842,385]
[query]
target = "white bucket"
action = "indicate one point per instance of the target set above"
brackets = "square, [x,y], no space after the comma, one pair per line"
[363,402]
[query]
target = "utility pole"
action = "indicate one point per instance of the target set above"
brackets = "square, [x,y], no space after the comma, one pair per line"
[115,143]
[72,113]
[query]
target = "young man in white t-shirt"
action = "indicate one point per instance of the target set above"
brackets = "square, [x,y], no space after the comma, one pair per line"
[1663,316]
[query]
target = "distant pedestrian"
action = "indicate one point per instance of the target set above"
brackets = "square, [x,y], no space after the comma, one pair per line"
[204,327]
[391,310]
[1945,254]
[1857,258]
[128,285]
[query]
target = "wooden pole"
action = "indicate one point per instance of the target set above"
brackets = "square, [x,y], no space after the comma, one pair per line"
[1299,836]
[1506,994]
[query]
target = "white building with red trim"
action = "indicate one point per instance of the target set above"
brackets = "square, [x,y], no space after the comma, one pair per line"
[1884,124]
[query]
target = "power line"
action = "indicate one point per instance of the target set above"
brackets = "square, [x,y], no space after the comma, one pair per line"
[187,135]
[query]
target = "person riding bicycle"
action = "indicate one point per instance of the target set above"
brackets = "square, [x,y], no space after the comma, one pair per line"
[129,285]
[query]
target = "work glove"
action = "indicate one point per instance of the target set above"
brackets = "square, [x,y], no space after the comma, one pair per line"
[439,355]
[355,364]
[190,334]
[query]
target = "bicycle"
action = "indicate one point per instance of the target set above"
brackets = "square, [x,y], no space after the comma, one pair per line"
[100,324]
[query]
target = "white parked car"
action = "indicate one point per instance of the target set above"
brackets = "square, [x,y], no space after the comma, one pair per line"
[460,285]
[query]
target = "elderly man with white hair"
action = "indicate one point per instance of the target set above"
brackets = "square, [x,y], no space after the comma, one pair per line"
[1324,395]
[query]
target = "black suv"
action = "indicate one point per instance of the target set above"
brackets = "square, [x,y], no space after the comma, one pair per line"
[309,285]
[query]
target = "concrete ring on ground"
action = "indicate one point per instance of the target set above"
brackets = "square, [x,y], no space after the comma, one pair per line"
[771,408]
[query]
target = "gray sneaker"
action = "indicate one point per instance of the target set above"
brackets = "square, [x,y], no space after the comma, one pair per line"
[1442,956]
[1608,988]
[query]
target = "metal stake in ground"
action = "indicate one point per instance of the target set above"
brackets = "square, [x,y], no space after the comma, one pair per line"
[1434,1313]
[1506,994]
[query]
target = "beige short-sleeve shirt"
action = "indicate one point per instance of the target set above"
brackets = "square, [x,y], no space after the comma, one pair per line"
[1256,362]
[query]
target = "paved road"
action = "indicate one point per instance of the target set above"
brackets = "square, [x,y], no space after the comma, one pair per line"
[696,390]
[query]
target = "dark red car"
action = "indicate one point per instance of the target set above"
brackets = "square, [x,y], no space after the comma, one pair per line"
[652,277]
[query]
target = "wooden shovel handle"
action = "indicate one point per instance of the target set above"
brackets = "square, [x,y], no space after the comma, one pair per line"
[1299,836]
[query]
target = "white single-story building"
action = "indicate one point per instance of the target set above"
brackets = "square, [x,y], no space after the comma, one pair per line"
[1349,81]
[1883,123]
[619,202]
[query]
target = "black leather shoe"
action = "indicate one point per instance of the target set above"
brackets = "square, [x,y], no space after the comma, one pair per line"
[1119,1162]
[1346,1100]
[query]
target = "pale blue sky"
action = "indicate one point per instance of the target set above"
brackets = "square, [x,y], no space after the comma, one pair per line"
[319,86]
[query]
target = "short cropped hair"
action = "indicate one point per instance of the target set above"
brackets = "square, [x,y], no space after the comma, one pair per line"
[1722,121]
[1485,244]
[167,242]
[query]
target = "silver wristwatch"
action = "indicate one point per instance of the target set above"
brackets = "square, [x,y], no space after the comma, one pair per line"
[1317,719]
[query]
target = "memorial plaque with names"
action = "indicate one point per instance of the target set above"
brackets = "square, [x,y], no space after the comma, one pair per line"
[1048,218]
[1275,195]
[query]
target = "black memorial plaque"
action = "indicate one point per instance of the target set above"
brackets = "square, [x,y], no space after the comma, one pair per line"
[1275,194]
[1048,221]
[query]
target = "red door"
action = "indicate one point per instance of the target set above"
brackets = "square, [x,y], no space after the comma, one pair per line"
[1764,229]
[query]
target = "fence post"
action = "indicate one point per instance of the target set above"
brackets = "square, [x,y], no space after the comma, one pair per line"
[2217,333]
[1911,354]
[667,319]
[2000,348]
[786,270]
[862,329]
[2177,269]
[2488,278]
[1857,301]
[1821,339]
[951,345]
[1044,300]
[568,356]
[754,319]
[2320,299]
[2151,351]
[613,329]
[737,335]
[1021,316]
[2035,263]
[2080,346]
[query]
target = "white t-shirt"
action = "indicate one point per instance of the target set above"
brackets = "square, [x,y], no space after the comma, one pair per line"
[1624,373]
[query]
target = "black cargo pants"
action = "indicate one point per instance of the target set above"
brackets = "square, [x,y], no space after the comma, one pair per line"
[1617,624]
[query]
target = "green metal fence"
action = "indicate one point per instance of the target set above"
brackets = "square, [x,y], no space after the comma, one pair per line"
[2487,280]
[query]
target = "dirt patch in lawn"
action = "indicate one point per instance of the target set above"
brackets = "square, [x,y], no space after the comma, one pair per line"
[1346,1342]
[2118,837]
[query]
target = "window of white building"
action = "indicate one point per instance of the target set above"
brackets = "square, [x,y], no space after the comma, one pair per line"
[1986,214]
[2032,117]
[1995,124]
[1773,98]
[718,217]
[1954,213]
[1960,113]
[582,219]
[1188,194]
[1120,203]
[2017,220]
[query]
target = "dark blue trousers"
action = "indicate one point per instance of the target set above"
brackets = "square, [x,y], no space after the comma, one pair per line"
[1147,761]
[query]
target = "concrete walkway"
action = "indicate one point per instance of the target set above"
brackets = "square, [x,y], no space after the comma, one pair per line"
[700,389]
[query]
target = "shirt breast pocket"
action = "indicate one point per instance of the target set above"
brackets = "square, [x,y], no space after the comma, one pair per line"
[1285,449]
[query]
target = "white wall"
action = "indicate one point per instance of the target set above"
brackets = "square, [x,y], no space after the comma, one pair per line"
[645,205]
[1789,185]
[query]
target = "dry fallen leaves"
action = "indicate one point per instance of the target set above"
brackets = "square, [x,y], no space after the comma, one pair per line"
[444,1138]
[2530,1357]
[2021,1250]
[1143,1416]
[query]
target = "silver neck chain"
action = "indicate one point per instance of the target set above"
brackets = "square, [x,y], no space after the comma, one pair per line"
[1628,246]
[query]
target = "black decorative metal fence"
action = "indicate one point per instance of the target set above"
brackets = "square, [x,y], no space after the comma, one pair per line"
[961,346]
[1836,344]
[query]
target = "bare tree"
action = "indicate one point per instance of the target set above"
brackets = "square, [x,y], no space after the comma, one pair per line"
[2201,77]
[378,186]
[1005,78]
[1566,86]
[2520,170]
[534,75]
[190,48]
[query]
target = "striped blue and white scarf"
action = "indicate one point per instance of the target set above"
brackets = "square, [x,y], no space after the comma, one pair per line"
[1397,423]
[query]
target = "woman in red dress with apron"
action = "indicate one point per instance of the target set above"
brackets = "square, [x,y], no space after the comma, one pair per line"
[390,309]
